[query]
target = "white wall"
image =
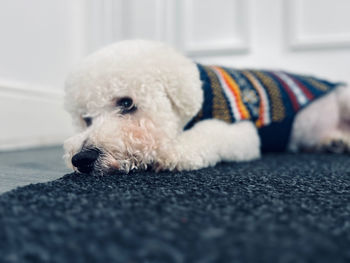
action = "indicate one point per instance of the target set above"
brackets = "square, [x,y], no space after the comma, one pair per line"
[41,40]
[308,36]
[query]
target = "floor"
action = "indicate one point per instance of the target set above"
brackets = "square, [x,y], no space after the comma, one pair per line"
[18,168]
[280,208]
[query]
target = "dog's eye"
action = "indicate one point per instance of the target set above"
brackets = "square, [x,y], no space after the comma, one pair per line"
[126,105]
[88,121]
[126,102]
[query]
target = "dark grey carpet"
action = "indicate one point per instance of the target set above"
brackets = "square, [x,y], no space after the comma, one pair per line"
[283,208]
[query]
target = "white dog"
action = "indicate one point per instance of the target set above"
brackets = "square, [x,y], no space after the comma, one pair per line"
[132,101]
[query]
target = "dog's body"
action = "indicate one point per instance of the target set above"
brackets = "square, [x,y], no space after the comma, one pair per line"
[270,99]
[132,101]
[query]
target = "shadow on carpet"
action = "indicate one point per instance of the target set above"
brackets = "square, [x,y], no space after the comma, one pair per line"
[282,208]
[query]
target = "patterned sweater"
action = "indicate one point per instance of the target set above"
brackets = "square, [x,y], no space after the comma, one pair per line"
[271,99]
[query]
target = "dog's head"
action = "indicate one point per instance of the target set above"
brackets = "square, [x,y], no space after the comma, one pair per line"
[129,101]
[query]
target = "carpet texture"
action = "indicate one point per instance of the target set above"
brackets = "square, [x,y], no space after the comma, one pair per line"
[282,208]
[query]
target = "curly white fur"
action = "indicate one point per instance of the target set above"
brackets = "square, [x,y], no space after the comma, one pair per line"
[166,89]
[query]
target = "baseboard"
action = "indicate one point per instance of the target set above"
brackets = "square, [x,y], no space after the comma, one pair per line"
[31,116]
[29,89]
[29,143]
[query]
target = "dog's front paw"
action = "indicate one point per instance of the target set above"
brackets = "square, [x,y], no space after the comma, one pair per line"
[188,165]
[180,162]
[166,161]
[195,160]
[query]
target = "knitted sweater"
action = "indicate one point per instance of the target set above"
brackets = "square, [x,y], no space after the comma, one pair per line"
[271,99]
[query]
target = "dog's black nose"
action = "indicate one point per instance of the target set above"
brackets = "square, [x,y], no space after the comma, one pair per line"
[85,159]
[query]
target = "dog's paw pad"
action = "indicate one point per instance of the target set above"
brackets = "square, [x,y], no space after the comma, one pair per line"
[336,146]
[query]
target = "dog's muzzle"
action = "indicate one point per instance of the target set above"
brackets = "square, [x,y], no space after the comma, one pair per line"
[85,159]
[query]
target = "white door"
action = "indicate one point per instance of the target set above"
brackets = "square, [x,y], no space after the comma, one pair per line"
[307,36]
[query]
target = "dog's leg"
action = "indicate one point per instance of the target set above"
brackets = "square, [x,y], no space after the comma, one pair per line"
[324,125]
[338,141]
[212,141]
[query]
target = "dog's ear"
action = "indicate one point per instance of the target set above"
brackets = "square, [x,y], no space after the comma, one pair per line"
[186,95]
